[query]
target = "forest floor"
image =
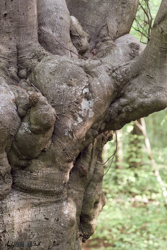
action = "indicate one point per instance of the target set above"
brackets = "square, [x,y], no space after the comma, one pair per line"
[95,244]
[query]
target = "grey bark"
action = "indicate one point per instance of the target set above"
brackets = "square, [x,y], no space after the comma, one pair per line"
[57,110]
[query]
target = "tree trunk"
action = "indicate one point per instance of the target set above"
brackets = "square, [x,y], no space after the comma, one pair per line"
[142,127]
[119,153]
[135,147]
[64,85]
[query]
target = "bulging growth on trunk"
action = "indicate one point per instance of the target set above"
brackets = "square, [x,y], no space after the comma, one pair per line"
[70,74]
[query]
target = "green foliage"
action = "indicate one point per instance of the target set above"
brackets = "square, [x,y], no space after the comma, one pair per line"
[135,216]
[144,19]
[157,129]
[125,225]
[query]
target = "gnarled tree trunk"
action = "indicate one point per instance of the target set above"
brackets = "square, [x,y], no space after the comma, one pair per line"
[66,81]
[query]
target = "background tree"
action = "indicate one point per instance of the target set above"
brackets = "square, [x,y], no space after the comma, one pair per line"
[64,86]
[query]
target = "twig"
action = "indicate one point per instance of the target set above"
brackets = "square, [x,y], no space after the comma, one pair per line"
[144,11]
[62,44]
[143,32]
[112,155]
[145,28]
[35,87]
[149,17]
[91,193]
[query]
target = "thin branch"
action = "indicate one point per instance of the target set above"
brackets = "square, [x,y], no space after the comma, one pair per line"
[62,44]
[148,7]
[35,87]
[144,11]
[140,32]
[91,193]
[148,20]
[112,155]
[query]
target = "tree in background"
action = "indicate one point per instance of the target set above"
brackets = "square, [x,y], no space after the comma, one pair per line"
[65,83]
[135,148]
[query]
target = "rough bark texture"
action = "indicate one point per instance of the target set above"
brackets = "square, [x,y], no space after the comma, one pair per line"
[65,84]
[103,18]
